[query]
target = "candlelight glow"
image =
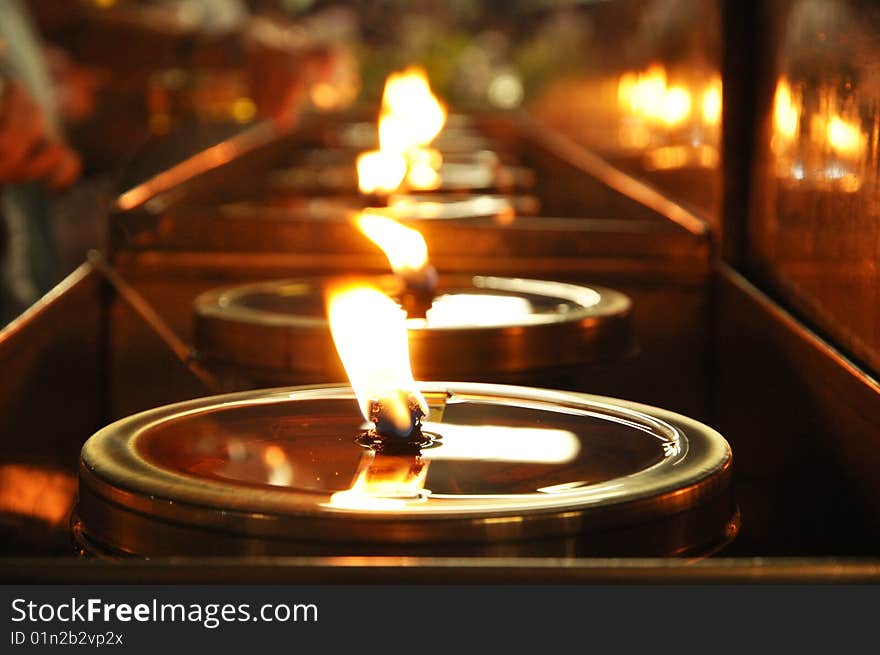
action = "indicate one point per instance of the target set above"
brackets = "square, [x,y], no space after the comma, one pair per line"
[647,95]
[391,482]
[845,137]
[410,120]
[418,115]
[504,443]
[477,309]
[380,171]
[405,247]
[711,103]
[676,106]
[423,173]
[786,114]
[641,93]
[369,330]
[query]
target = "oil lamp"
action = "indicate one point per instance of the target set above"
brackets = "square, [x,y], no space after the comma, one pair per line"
[410,120]
[483,328]
[674,125]
[398,467]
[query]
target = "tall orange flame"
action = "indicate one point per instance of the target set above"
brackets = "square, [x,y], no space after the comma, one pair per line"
[369,330]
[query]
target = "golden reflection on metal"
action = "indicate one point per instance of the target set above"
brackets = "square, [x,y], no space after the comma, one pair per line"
[391,482]
[463,309]
[497,443]
[280,471]
[208,159]
[384,483]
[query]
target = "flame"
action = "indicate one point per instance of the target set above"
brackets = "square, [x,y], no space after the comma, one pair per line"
[640,93]
[676,106]
[423,172]
[845,137]
[710,105]
[411,118]
[786,113]
[380,171]
[369,330]
[646,94]
[405,247]
[418,115]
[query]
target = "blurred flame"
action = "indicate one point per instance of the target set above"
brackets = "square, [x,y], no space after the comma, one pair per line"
[279,468]
[676,105]
[369,330]
[424,168]
[380,171]
[405,247]
[711,102]
[845,137]
[641,93]
[418,115]
[786,114]
[646,94]
[410,120]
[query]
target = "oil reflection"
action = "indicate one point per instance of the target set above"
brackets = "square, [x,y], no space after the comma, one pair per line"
[393,481]
[813,224]
[821,134]
[675,122]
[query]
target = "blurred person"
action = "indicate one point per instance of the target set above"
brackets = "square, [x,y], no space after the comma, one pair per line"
[35,162]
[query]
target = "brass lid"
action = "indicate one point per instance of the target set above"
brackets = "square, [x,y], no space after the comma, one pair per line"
[478,327]
[507,463]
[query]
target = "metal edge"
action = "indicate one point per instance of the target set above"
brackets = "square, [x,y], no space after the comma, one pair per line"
[701,479]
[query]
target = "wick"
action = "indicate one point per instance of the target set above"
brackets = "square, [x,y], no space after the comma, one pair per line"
[385,427]
[418,291]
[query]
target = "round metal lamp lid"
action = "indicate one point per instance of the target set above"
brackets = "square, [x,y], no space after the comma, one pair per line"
[477,326]
[506,463]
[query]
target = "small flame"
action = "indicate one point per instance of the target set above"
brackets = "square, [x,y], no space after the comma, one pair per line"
[676,106]
[380,171]
[845,137]
[423,173]
[418,115]
[786,113]
[641,93]
[405,247]
[646,94]
[711,103]
[369,330]
[410,120]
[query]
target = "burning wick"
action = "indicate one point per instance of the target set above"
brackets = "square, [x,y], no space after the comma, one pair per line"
[369,330]
[383,419]
[407,253]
